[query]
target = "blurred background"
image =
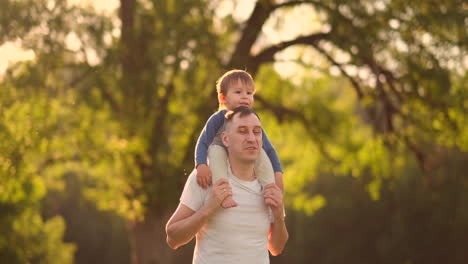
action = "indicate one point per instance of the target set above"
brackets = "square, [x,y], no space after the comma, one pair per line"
[101,104]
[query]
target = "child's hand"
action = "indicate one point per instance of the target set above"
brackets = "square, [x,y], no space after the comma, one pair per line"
[203,176]
[279,180]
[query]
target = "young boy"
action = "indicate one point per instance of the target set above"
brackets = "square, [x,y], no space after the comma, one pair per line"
[235,88]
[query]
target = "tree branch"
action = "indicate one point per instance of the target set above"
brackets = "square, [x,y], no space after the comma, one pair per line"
[296,3]
[250,33]
[267,55]
[389,108]
[128,61]
[280,112]
[355,83]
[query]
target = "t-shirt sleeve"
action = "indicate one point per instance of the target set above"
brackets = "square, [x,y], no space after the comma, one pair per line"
[193,195]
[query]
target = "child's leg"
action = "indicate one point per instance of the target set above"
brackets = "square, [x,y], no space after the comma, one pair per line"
[217,158]
[264,169]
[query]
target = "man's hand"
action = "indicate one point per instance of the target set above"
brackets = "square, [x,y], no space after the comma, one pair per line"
[185,223]
[203,176]
[278,234]
[279,180]
[221,189]
[274,198]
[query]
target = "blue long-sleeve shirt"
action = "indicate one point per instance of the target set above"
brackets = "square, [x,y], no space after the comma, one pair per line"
[209,132]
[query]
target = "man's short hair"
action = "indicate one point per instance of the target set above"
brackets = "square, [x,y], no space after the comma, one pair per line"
[242,111]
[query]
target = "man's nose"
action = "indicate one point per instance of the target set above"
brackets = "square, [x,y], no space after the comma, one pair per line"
[250,136]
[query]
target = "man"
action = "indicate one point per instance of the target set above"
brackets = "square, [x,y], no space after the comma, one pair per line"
[242,234]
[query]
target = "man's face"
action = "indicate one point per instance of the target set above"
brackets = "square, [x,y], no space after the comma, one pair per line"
[243,138]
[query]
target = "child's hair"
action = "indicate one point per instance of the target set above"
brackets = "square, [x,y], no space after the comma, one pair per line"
[229,78]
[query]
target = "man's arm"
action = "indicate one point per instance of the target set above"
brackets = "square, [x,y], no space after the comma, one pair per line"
[185,222]
[278,234]
[277,237]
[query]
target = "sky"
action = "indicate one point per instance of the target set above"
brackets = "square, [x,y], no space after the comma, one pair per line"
[10,53]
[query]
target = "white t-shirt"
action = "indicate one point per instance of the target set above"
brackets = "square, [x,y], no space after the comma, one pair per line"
[234,235]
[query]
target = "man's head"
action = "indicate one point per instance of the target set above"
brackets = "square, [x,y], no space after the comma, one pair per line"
[235,88]
[243,134]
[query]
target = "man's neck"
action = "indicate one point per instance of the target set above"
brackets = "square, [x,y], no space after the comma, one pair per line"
[243,170]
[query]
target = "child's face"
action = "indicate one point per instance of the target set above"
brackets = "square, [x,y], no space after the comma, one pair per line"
[239,94]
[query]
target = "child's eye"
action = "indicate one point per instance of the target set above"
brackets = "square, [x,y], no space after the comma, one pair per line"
[249,93]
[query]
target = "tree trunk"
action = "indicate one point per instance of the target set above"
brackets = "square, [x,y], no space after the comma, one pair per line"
[148,242]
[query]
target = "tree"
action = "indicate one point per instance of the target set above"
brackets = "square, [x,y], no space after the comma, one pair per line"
[153,83]
[25,236]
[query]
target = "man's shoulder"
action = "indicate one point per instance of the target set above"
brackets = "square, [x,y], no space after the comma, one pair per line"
[193,184]
[193,195]
[192,178]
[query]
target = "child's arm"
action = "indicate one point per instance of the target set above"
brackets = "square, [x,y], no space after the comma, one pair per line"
[213,124]
[275,162]
[271,152]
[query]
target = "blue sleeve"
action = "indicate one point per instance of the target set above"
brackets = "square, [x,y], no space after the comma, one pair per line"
[271,152]
[214,123]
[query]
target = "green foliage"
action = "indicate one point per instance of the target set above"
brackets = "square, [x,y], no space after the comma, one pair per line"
[25,236]
[100,236]
[120,112]
[407,224]
[336,141]
[19,17]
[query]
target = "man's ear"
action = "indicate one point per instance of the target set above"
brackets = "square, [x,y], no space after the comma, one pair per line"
[225,139]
